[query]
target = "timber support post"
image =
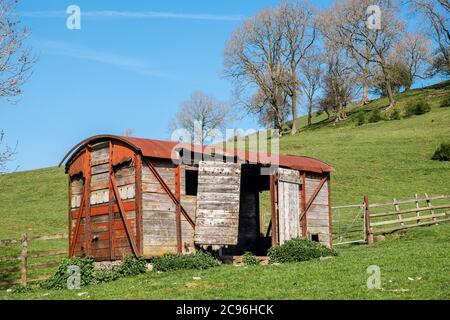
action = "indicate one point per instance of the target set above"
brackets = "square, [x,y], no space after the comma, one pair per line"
[273,201]
[24,260]
[178,208]
[369,234]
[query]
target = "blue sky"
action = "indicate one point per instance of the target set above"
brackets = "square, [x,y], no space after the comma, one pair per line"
[130,66]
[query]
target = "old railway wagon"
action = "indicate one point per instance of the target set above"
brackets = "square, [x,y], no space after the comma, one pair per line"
[128,196]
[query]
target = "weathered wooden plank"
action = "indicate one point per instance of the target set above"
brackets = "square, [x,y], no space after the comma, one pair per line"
[102,168]
[288,205]
[387,230]
[289,176]
[127,191]
[212,229]
[429,216]
[99,196]
[392,213]
[217,180]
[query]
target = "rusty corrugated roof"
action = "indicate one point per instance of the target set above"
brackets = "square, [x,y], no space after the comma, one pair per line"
[163,149]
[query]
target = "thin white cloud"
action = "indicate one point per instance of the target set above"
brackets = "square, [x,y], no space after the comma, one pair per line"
[116,60]
[133,15]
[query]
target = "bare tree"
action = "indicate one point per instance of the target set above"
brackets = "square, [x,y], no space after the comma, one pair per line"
[256,65]
[129,132]
[6,153]
[345,23]
[299,33]
[263,57]
[413,51]
[437,14]
[338,81]
[15,60]
[311,72]
[202,115]
[328,23]
[15,65]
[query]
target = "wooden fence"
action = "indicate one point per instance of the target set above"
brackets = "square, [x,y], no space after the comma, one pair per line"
[25,257]
[399,215]
[360,222]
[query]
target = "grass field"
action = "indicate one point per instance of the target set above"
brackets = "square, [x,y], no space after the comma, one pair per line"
[383,160]
[414,265]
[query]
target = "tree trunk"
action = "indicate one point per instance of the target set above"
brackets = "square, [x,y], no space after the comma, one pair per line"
[365,75]
[364,98]
[310,112]
[294,112]
[390,94]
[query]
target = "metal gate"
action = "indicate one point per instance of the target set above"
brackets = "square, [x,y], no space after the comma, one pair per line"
[348,224]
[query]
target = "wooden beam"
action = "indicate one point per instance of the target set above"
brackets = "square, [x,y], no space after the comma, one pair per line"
[111,206]
[87,201]
[124,216]
[330,222]
[303,221]
[429,205]
[24,260]
[69,220]
[138,201]
[178,208]
[392,213]
[369,234]
[169,192]
[273,200]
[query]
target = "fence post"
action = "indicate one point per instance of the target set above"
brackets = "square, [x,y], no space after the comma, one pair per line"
[24,259]
[369,235]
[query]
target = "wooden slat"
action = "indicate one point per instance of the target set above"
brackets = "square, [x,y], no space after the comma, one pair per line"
[10,269]
[51,237]
[397,209]
[392,213]
[42,266]
[47,254]
[9,258]
[403,220]
[418,206]
[429,205]
[375,205]
[409,226]
[9,241]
